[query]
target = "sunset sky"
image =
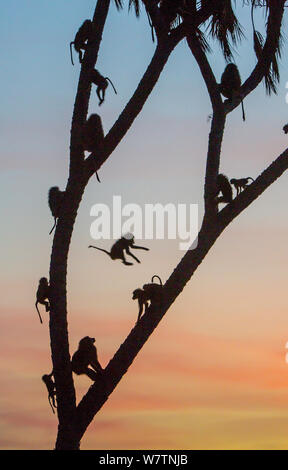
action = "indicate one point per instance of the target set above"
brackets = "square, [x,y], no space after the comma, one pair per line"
[213,375]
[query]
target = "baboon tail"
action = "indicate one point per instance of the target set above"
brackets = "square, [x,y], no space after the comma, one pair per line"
[100,249]
[97,176]
[49,399]
[71,54]
[55,222]
[243,111]
[112,85]
[36,305]
[155,275]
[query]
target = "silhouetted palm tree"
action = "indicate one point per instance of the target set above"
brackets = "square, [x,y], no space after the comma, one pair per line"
[201,23]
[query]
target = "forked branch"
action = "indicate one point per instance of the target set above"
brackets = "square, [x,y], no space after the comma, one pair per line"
[142,92]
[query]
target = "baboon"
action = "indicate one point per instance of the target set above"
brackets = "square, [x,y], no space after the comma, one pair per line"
[51,388]
[42,295]
[93,136]
[83,35]
[55,200]
[155,291]
[230,85]
[152,293]
[101,83]
[224,187]
[86,355]
[285,129]
[240,184]
[143,301]
[122,245]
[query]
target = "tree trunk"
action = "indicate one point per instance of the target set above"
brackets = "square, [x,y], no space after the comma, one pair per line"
[66,398]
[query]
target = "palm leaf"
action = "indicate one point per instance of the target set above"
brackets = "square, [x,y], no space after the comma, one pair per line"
[224,27]
[136,5]
[119,4]
[202,41]
[176,22]
[272,76]
[200,36]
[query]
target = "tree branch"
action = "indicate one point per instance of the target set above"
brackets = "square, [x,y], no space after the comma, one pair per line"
[84,86]
[254,190]
[99,392]
[207,73]
[217,127]
[273,32]
[134,106]
[66,400]
[144,89]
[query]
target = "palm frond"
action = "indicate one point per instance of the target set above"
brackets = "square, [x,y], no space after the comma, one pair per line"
[136,5]
[225,27]
[119,4]
[272,76]
[258,42]
[202,41]
[176,22]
